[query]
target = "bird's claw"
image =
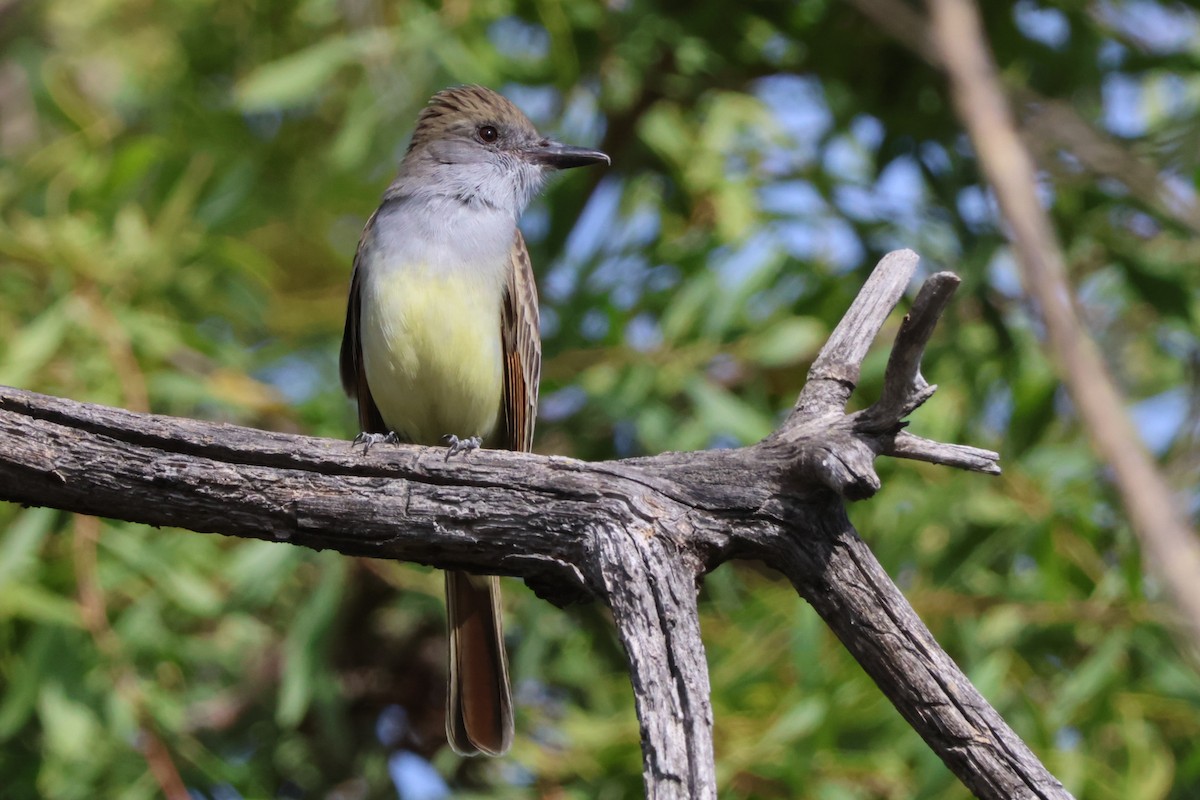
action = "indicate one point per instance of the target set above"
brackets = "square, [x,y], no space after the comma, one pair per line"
[457,445]
[367,440]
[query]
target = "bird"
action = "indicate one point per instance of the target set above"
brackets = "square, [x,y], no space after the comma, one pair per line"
[441,342]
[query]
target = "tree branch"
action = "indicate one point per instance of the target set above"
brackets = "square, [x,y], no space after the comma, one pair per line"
[653,594]
[883,632]
[637,534]
[1171,547]
[1049,125]
[834,374]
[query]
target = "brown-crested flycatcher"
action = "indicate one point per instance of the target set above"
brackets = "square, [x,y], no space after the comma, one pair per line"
[442,341]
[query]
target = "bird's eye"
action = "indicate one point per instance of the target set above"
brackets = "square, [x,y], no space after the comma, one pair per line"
[488,133]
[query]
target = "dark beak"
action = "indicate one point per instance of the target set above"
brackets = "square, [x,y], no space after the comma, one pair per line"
[564,156]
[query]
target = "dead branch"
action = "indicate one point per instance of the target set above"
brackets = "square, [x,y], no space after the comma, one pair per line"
[636,534]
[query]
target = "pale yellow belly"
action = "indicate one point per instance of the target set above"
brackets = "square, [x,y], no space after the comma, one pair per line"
[432,353]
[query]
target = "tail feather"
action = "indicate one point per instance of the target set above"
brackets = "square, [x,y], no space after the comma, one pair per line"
[479,717]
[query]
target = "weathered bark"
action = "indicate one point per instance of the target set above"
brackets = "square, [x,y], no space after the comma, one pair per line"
[637,534]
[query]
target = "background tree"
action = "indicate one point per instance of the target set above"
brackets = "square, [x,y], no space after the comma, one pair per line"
[182,187]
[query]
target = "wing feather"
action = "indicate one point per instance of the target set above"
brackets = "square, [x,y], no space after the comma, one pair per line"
[354,375]
[522,351]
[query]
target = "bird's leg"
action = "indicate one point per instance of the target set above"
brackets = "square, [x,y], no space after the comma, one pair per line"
[457,445]
[369,439]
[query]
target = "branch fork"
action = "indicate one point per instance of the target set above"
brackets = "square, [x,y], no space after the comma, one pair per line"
[838,450]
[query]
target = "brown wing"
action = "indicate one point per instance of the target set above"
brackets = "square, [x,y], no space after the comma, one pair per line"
[522,352]
[354,376]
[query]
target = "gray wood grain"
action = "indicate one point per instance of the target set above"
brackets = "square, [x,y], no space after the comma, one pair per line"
[637,535]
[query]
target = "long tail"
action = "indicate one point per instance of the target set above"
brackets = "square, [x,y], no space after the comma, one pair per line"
[479,718]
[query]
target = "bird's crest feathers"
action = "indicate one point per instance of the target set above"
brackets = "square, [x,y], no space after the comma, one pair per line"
[463,109]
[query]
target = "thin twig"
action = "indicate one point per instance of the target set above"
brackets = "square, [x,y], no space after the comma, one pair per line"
[904,390]
[834,373]
[1049,125]
[962,456]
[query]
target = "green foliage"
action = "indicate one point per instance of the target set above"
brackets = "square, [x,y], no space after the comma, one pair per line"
[181,188]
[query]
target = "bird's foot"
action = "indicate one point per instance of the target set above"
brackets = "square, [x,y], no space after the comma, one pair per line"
[457,445]
[367,440]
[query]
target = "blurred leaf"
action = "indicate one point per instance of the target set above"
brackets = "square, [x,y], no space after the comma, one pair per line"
[33,347]
[26,601]
[725,413]
[796,722]
[24,673]
[303,646]
[296,79]
[70,726]
[789,341]
[20,541]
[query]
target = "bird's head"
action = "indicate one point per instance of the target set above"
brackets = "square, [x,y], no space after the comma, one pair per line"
[474,144]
